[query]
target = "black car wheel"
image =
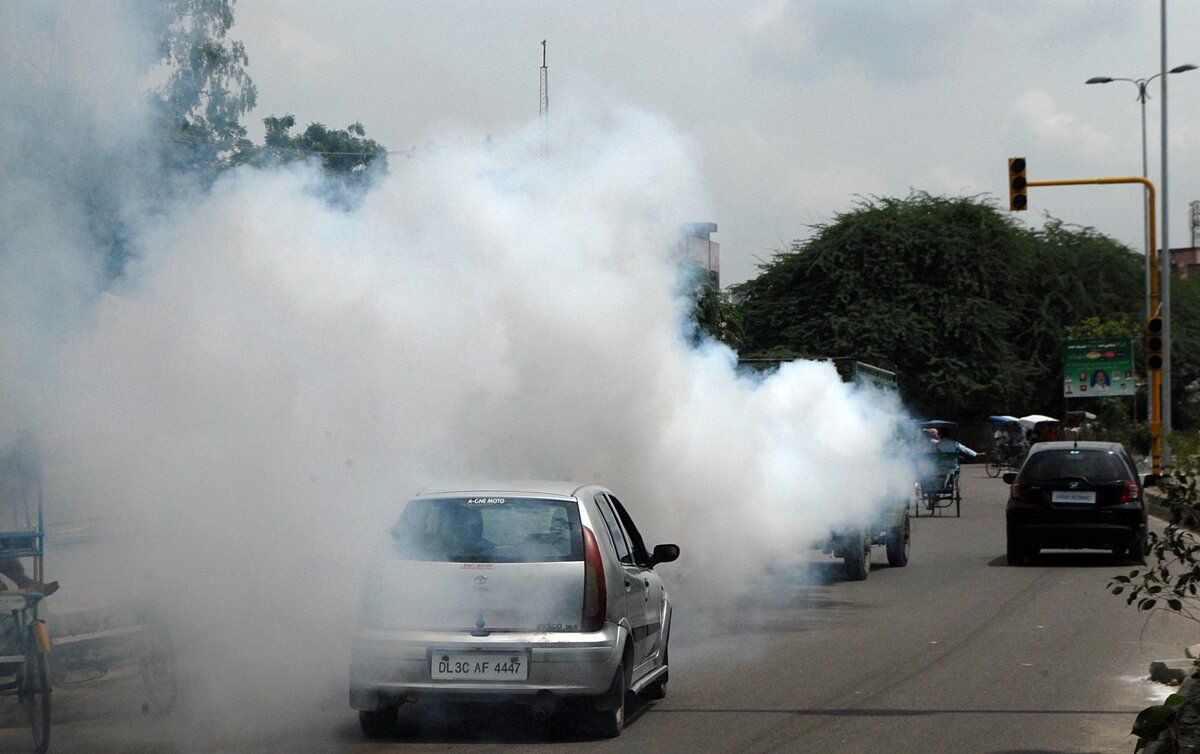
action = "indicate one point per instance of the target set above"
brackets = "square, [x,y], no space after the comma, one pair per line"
[1016,551]
[1139,549]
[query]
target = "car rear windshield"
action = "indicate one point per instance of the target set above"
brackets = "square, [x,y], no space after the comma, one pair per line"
[1094,466]
[490,530]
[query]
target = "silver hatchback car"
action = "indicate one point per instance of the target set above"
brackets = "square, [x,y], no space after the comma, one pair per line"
[541,593]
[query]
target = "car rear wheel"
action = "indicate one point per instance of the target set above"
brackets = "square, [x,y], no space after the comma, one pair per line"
[608,723]
[899,542]
[379,723]
[1016,552]
[1139,549]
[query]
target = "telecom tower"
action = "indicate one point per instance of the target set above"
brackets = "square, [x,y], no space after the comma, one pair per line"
[544,101]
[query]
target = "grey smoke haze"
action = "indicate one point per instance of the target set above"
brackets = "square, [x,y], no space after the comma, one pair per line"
[272,377]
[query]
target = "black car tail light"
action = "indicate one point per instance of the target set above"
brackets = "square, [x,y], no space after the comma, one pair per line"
[595,596]
[1131,494]
[1021,491]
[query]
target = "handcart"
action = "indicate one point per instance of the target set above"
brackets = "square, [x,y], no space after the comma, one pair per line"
[24,640]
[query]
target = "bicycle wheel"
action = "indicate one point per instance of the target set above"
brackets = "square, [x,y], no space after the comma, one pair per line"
[35,694]
[993,467]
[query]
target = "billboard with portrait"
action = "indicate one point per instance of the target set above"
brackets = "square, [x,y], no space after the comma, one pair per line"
[1098,368]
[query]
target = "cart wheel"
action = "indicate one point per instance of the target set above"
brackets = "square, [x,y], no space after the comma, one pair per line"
[35,695]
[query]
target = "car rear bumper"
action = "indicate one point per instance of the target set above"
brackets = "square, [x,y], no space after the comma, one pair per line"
[1100,528]
[390,667]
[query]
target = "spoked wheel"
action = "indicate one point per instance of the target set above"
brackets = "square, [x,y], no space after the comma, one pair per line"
[35,693]
[994,467]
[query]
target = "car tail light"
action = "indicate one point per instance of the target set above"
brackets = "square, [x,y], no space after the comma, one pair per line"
[1021,491]
[595,596]
[1131,493]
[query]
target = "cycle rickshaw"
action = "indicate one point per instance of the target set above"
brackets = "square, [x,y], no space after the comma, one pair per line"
[1008,445]
[24,640]
[937,470]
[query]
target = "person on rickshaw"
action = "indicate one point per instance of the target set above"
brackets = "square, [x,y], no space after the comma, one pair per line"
[11,569]
[948,445]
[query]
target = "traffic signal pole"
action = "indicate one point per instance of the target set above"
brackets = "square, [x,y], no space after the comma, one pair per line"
[1154,322]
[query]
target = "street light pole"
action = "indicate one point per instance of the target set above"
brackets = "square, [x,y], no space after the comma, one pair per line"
[1141,85]
[1146,239]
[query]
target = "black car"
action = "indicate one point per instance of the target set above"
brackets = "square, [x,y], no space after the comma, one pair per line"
[1076,495]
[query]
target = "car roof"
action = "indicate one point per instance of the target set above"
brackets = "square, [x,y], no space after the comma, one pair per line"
[1107,447]
[526,488]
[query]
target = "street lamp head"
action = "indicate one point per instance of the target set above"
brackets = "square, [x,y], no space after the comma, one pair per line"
[1183,68]
[1098,80]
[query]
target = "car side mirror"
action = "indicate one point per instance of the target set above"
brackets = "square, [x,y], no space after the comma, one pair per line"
[665,553]
[1010,477]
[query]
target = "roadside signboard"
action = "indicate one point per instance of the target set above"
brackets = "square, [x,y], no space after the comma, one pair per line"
[1098,368]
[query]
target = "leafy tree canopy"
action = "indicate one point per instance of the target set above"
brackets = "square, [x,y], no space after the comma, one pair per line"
[208,89]
[346,155]
[969,308]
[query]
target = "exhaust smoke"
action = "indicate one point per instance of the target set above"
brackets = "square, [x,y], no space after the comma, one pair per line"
[243,410]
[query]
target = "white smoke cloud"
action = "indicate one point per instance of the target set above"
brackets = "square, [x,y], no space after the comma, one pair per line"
[272,377]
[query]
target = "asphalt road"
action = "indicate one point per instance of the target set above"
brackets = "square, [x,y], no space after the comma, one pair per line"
[956,652]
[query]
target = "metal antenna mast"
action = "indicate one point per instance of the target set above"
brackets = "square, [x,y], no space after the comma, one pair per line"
[544,100]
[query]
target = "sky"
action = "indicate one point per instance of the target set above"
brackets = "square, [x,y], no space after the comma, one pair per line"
[797,109]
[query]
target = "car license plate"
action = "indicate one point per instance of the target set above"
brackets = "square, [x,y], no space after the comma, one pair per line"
[479,666]
[1074,498]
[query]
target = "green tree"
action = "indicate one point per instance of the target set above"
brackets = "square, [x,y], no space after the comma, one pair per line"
[1185,354]
[714,313]
[969,308]
[207,90]
[347,156]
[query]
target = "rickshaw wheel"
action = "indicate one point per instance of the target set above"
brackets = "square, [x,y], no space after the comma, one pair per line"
[993,468]
[35,693]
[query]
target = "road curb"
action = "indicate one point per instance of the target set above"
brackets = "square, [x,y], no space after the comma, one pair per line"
[1163,744]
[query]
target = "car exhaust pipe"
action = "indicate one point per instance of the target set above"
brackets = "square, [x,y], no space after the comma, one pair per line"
[544,705]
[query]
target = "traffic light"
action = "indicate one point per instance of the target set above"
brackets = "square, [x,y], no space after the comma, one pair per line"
[1017,185]
[1154,342]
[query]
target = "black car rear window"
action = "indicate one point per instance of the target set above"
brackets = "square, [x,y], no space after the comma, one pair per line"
[490,529]
[1095,466]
